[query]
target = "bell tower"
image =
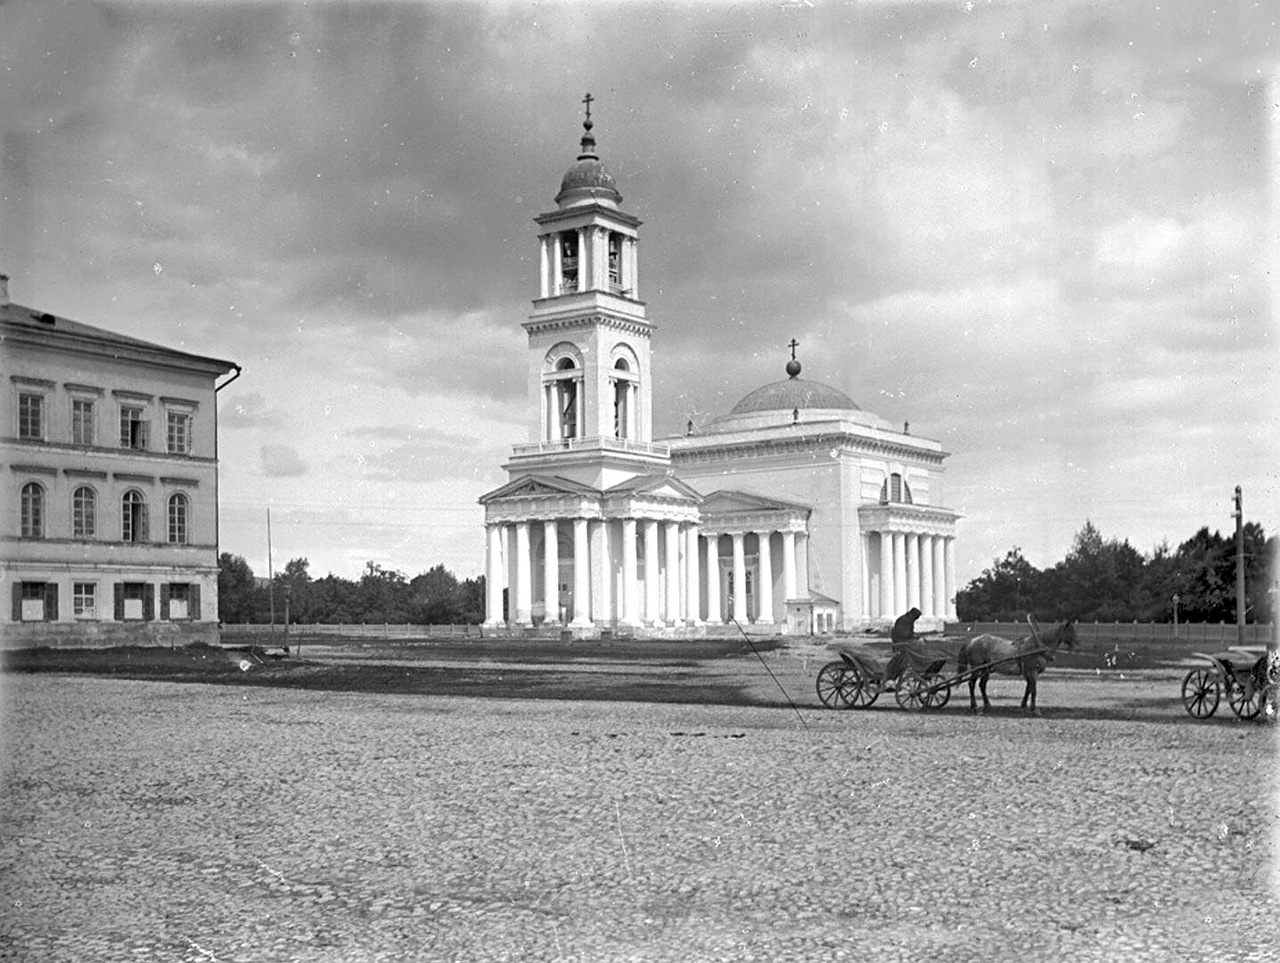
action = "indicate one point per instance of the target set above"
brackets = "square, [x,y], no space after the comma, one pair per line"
[590,379]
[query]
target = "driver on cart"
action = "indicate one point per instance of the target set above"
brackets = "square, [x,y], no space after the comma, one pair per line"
[905,645]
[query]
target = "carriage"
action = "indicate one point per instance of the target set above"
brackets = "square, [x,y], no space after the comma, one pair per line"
[856,679]
[1239,674]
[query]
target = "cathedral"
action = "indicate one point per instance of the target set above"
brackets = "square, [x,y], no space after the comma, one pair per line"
[796,512]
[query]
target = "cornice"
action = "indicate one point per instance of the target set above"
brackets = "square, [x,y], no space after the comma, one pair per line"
[685,453]
[635,326]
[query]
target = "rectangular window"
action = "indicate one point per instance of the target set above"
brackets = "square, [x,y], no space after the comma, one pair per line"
[135,596]
[85,600]
[30,416]
[179,600]
[33,601]
[133,428]
[82,432]
[179,434]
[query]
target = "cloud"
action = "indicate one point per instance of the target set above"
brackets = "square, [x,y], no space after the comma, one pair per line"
[282,461]
[249,410]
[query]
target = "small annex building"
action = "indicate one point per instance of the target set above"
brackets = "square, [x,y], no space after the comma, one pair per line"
[109,466]
[797,512]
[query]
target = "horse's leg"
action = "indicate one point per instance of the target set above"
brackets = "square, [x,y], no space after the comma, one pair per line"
[1030,696]
[973,699]
[986,703]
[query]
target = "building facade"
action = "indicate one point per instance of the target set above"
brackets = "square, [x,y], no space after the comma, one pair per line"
[109,464]
[797,512]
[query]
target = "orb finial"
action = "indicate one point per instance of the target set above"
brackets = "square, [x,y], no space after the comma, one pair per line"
[793,366]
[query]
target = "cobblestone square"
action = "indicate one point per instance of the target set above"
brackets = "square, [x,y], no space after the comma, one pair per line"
[191,822]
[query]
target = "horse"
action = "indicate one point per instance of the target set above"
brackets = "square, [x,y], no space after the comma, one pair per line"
[1028,657]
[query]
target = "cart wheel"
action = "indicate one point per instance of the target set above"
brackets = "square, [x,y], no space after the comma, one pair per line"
[940,696]
[912,693]
[1201,693]
[1246,700]
[841,686]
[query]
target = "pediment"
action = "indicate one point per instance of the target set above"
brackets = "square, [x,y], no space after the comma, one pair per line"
[664,487]
[730,502]
[539,486]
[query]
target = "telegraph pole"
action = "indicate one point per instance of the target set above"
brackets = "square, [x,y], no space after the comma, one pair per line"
[1239,567]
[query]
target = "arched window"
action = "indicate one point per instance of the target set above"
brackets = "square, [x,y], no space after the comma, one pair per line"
[133,516]
[178,519]
[562,393]
[32,510]
[84,512]
[622,400]
[895,489]
[568,403]
[568,261]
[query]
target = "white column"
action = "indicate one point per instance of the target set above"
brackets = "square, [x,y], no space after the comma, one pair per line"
[600,260]
[652,589]
[550,573]
[583,251]
[951,577]
[544,266]
[630,583]
[632,400]
[739,578]
[581,573]
[886,576]
[523,603]
[913,570]
[789,566]
[692,574]
[713,580]
[802,563]
[551,393]
[939,577]
[580,406]
[634,245]
[899,575]
[926,576]
[764,592]
[493,577]
[557,266]
[602,610]
[673,572]
[864,563]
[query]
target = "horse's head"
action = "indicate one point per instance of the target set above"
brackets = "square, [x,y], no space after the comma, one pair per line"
[1067,635]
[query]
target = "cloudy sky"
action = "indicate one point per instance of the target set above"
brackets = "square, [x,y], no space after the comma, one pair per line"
[1039,231]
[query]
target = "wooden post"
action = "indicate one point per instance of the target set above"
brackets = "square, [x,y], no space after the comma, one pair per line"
[1240,610]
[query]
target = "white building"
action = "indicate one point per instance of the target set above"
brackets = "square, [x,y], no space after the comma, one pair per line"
[110,471]
[796,512]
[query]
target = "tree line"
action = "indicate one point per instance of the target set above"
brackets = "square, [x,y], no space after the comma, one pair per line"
[1103,580]
[1106,580]
[435,597]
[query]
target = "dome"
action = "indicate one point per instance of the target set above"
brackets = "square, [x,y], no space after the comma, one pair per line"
[791,394]
[588,177]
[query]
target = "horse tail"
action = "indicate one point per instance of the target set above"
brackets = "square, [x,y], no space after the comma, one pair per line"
[962,657]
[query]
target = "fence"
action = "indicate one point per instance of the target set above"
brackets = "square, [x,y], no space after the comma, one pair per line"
[1216,633]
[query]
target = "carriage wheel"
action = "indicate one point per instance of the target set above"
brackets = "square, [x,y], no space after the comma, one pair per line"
[940,696]
[1246,700]
[842,686]
[912,693]
[1201,693]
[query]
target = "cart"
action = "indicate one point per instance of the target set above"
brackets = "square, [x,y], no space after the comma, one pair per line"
[855,681]
[1240,674]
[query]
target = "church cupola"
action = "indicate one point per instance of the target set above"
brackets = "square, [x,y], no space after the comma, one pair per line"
[589,244]
[587,181]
